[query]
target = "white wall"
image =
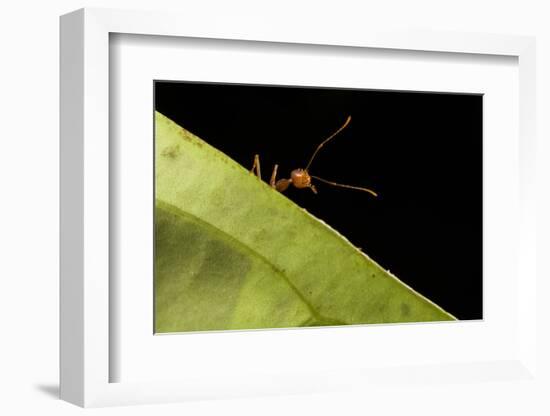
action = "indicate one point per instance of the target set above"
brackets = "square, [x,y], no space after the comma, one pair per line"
[29,204]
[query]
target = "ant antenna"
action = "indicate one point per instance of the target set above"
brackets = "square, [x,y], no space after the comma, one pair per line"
[358,188]
[326,140]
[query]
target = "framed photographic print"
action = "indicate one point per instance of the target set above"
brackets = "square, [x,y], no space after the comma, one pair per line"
[230,253]
[271,213]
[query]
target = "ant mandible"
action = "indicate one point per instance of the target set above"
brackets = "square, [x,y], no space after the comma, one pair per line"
[301,178]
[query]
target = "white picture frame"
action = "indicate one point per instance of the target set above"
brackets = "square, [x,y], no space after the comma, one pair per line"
[86,355]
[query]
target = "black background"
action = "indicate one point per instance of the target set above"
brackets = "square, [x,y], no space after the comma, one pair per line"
[421,152]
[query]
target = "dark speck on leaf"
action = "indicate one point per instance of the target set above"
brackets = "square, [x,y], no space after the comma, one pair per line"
[190,138]
[171,151]
[405,309]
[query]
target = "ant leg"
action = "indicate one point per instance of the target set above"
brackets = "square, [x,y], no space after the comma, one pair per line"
[256,166]
[273,176]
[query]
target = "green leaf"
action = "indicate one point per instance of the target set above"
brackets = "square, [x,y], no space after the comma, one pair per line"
[232,253]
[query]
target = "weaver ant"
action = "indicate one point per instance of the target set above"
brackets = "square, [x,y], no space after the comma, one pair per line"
[301,178]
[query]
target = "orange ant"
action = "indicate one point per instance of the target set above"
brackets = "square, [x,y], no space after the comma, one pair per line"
[301,178]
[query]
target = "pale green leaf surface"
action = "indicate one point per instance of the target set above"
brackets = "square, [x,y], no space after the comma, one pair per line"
[232,253]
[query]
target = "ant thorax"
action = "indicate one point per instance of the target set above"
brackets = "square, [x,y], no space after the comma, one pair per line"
[300,178]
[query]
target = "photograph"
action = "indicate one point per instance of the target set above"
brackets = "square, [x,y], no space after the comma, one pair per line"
[281,206]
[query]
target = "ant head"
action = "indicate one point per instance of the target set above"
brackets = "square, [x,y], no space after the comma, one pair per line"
[300,178]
